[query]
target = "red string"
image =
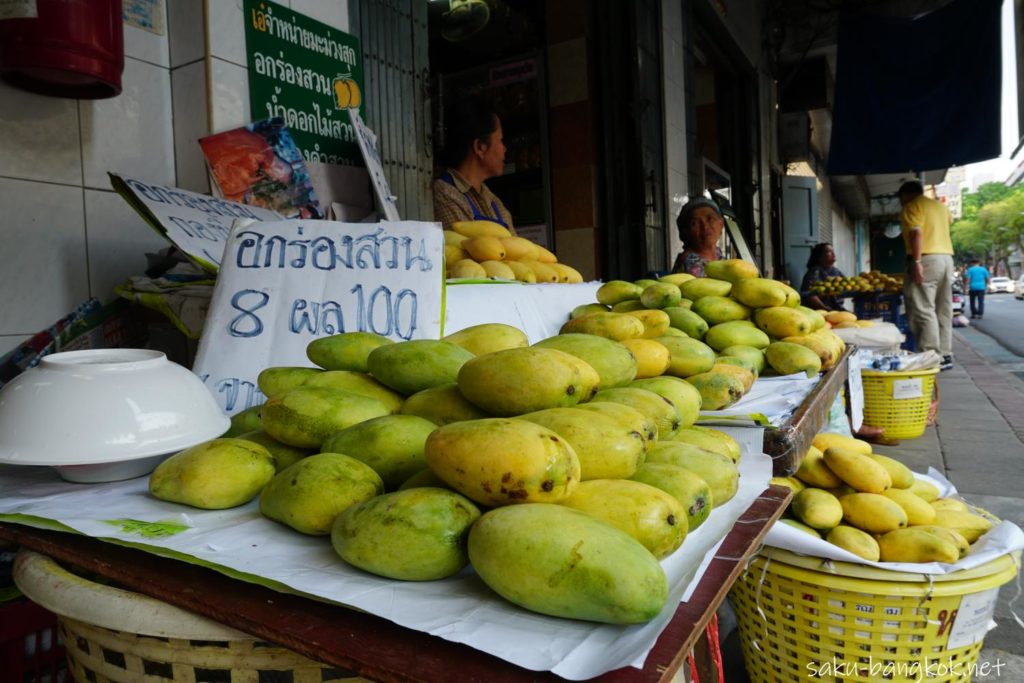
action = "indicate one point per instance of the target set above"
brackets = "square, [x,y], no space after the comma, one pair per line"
[694,676]
[715,647]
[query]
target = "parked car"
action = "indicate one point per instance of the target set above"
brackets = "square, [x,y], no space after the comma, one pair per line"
[1019,291]
[958,299]
[1001,284]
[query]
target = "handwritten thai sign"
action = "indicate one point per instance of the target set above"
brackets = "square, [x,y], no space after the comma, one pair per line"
[283,284]
[198,224]
[297,68]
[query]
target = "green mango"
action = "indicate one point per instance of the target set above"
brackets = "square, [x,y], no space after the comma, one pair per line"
[213,475]
[692,492]
[759,292]
[277,380]
[782,321]
[357,383]
[717,470]
[584,309]
[704,286]
[423,479]
[305,416]
[488,337]
[688,356]
[442,405]
[245,421]
[684,396]
[561,562]
[710,440]
[614,291]
[391,445]
[411,366]
[419,534]
[720,309]
[308,495]
[752,355]
[661,295]
[607,448]
[655,407]
[284,455]
[786,358]
[346,351]
[614,363]
[718,390]
[736,333]
[688,321]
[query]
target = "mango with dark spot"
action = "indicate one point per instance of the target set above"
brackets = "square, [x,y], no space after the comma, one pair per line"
[607,448]
[561,562]
[645,512]
[419,534]
[498,461]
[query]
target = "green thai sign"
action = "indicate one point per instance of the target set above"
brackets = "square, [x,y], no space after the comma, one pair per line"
[306,73]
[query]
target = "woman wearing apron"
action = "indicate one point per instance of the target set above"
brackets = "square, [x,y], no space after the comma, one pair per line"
[473,151]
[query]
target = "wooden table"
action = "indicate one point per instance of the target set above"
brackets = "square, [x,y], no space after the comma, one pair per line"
[374,647]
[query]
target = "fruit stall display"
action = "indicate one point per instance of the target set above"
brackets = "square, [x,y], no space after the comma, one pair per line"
[484,249]
[871,282]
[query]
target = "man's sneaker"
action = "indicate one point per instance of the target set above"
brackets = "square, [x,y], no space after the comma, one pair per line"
[947,363]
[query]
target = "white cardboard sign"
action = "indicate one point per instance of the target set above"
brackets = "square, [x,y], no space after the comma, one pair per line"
[368,145]
[198,224]
[283,284]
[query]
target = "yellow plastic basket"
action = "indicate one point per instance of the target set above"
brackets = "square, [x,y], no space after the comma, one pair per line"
[898,401]
[118,636]
[800,624]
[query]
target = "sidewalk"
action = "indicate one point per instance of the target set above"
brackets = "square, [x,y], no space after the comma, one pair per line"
[978,443]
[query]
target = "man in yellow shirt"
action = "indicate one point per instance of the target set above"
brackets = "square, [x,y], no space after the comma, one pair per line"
[929,282]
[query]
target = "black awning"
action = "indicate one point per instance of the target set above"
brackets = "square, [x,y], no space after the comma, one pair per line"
[917,94]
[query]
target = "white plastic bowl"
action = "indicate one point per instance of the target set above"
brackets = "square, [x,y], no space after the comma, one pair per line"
[105,414]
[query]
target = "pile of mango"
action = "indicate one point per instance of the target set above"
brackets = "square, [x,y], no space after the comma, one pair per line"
[553,469]
[721,331]
[484,249]
[873,506]
[841,320]
[874,281]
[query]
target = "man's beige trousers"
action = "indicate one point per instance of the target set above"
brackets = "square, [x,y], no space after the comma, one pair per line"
[930,305]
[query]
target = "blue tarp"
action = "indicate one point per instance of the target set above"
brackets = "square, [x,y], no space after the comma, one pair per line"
[917,94]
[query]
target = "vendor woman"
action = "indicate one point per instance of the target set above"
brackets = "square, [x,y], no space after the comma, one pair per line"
[473,151]
[821,265]
[700,225]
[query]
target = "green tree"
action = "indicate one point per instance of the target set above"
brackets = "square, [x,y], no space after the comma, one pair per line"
[987,193]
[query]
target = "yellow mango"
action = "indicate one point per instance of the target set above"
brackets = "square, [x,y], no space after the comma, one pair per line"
[487,338]
[711,440]
[816,508]
[454,254]
[757,292]
[692,492]
[628,305]
[745,376]
[418,534]
[607,448]
[522,271]
[543,271]
[873,512]
[735,333]
[648,514]
[544,255]
[704,286]
[498,270]
[825,352]
[652,358]
[631,418]
[213,475]
[782,321]
[918,511]
[275,381]
[454,239]
[717,470]
[924,489]
[836,317]
[747,366]
[418,364]
[791,483]
[567,273]
[305,416]
[614,363]
[815,318]
[308,495]
[732,270]
[284,455]
[788,359]
[616,326]
[655,322]
[467,269]
[914,545]
[800,526]
[720,309]
[949,504]
[683,396]
[951,535]
[857,470]
[792,296]
[516,381]
[688,356]
[967,524]
[425,478]
[518,248]
[675,278]
[655,407]
[357,383]
[853,540]
[826,440]
[660,295]
[481,228]
[585,309]
[442,405]
[718,389]
[615,291]
[391,445]
[752,355]
[561,562]
[900,474]
[346,351]
[814,472]
[498,461]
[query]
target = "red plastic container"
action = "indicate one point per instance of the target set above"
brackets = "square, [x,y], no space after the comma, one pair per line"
[71,48]
[29,647]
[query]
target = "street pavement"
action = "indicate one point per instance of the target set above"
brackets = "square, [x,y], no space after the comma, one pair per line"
[978,443]
[1003,321]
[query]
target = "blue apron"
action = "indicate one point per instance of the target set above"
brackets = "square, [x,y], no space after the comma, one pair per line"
[477,215]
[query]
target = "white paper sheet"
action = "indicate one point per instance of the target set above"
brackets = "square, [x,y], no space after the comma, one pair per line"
[460,608]
[774,397]
[1004,538]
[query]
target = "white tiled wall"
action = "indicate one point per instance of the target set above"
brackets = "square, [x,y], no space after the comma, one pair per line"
[66,235]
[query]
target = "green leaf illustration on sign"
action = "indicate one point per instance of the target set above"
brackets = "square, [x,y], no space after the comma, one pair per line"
[147,529]
[307,73]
